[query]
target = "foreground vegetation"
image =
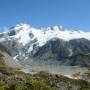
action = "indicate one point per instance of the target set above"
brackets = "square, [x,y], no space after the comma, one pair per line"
[40,81]
[13,79]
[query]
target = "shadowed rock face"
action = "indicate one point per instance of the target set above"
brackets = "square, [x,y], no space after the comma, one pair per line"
[12,32]
[82,45]
[74,52]
[56,49]
[60,50]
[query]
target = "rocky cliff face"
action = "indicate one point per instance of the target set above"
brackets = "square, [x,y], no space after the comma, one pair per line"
[47,44]
[74,52]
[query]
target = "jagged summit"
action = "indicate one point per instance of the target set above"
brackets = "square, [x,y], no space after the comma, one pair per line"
[22,26]
[55,28]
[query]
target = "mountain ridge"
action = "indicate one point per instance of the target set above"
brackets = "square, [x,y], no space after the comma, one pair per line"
[54,43]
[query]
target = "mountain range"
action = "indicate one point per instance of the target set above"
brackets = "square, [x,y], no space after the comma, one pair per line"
[51,45]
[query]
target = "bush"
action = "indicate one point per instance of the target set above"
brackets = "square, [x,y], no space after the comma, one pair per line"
[34,85]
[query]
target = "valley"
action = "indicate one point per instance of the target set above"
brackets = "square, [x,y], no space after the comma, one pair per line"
[43,59]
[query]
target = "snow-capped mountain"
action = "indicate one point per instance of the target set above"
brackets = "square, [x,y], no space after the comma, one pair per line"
[25,42]
[24,33]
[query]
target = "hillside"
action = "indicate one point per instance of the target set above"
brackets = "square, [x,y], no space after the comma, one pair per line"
[12,78]
[26,44]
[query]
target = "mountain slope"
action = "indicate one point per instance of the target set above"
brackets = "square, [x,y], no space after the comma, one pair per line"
[6,61]
[25,43]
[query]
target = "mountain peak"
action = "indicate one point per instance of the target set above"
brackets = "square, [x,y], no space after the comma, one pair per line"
[22,26]
[56,28]
[24,34]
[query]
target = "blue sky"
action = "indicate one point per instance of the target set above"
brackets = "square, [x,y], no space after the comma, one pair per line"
[74,14]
